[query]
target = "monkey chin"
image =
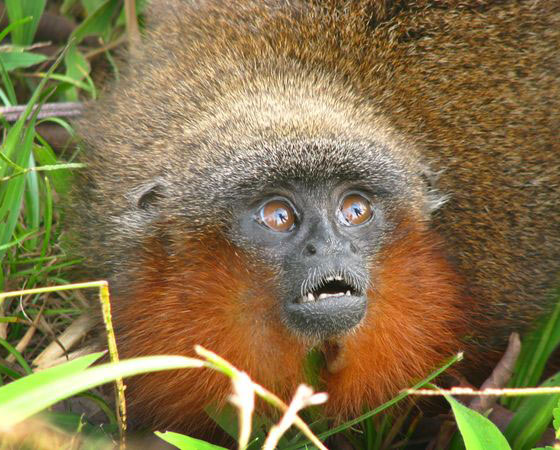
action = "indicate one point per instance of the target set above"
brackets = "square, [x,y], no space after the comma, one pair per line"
[324,324]
[326,318]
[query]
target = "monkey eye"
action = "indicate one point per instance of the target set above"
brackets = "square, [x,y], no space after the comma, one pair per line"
[355,209]
[277,215]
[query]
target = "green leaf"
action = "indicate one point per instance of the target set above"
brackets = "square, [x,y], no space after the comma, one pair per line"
[38,391]
[17,355]
[477,431]
[91,5]
[67,5]
[48,216]
[388,404]
[20,9]
[10,144]
[8,85]
[97,23]
[32,200]
[20,59]
[533,417]
[77,68]
[13,25]
[11,192]
[24,385]
[21,237]
[535,352]
[16,149]
[313,364]
[183,442]
[225,418]
[556,421]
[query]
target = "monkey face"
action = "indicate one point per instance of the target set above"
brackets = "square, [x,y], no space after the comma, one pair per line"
[318,224]
[311,217]
[319,236]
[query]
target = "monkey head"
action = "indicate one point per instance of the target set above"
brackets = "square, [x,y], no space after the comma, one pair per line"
[311,208]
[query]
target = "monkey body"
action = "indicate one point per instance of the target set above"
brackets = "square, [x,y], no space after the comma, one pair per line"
[443,115]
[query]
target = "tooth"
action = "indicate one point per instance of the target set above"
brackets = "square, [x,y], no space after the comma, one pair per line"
[348,293]
[334,294]
[330,278]
[338,278]
[310,297]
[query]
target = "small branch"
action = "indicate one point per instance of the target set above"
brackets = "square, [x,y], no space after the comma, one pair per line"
[103,287]
[3,325]
[105,301]
[243,398]
[132,30]
[303,398]
[500,375]
[507,392]
[64,109]
[110,46]
[26,339]
[71,335]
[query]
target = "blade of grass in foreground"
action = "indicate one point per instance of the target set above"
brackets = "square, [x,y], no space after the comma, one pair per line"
[533,416]
[27,396]
[537,348]
[185,442]
[13,390]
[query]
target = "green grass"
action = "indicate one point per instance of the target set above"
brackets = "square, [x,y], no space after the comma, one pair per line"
[33,178]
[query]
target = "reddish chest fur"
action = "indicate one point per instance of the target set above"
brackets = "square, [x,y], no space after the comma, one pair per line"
[208,293]
[416,319]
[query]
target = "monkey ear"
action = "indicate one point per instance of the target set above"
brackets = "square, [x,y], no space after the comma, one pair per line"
[147,197]
[434,198]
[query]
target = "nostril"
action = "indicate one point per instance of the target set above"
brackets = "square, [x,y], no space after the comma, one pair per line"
[310,249]
[353,248]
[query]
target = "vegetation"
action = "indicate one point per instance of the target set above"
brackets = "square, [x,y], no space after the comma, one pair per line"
[47,68]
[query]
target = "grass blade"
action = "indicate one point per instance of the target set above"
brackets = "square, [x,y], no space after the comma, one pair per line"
[533,417]
[38,391]
[537,348]
[183,442]
[20,9]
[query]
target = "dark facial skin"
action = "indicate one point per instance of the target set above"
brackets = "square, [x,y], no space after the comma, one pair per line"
[322,239]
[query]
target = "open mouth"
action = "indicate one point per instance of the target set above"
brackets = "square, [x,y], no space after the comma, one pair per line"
[328,288]
[328,307]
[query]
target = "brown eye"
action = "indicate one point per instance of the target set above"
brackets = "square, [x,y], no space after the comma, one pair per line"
[278,216]
[354,210]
